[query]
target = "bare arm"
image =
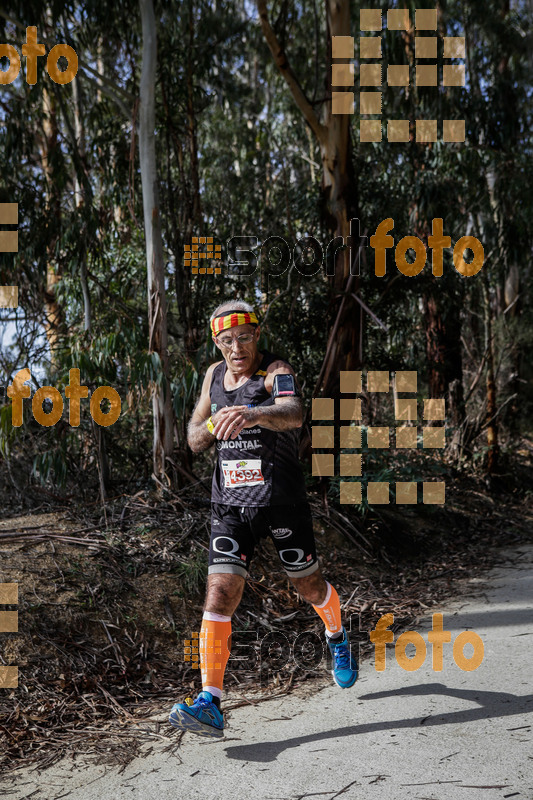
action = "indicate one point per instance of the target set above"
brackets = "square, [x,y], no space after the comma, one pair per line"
[198,436]
[285,414]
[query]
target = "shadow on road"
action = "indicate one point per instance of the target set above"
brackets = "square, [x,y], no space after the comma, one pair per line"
[491,704]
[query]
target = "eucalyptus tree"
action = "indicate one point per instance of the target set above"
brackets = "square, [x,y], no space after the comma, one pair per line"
[338,188]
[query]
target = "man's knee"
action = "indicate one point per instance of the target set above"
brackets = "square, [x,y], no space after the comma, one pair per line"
[312,587]
[224,592]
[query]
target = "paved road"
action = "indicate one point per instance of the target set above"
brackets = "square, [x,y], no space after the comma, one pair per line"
[419,735]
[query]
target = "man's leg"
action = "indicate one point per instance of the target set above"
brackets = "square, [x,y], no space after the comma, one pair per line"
[324,599]
[223,595]
[291,530]
[230,552]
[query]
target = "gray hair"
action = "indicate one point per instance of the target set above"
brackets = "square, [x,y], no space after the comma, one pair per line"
[232,305]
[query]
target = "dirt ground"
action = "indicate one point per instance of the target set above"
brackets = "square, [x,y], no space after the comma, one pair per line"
[107,601]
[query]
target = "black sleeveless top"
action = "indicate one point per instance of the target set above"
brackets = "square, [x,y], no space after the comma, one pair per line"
[261,466]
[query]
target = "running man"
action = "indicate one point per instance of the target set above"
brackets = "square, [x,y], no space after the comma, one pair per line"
[250,406]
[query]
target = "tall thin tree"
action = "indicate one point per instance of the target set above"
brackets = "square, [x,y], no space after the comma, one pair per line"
[339,193]
[163,417]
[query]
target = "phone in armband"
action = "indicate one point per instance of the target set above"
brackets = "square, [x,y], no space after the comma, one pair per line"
[285,386]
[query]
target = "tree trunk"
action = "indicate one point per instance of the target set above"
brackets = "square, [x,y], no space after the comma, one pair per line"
[443,353]
[187,220]
[339,193]
[163,418]
[492,428]
[54,317]
[503,215]
[80,201]
[192,334]
[513,306]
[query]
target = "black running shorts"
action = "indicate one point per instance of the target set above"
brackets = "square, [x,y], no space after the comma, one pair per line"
[235,530]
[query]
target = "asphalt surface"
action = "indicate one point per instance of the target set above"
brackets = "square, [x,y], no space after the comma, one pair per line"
[418,735]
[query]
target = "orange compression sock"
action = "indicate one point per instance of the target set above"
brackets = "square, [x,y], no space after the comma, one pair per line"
[330,611]
[215,643]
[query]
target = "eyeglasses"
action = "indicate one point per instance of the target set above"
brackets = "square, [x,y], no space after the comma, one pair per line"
[244,338]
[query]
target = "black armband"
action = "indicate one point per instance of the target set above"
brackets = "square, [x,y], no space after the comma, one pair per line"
[285,386]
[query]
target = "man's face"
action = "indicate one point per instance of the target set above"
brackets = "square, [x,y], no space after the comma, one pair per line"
[239,354]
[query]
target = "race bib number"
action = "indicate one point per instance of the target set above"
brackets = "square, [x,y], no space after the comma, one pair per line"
[242,473]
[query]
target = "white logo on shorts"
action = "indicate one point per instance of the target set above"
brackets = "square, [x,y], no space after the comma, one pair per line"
[234,545]
[281,533]
[299,556]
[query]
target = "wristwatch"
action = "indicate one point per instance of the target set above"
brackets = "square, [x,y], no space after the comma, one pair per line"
[210,426]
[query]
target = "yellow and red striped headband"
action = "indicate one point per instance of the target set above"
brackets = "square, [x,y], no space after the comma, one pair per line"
[230,319]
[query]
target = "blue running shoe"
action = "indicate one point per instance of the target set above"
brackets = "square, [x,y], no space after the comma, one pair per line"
[201,717]
[345,668]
